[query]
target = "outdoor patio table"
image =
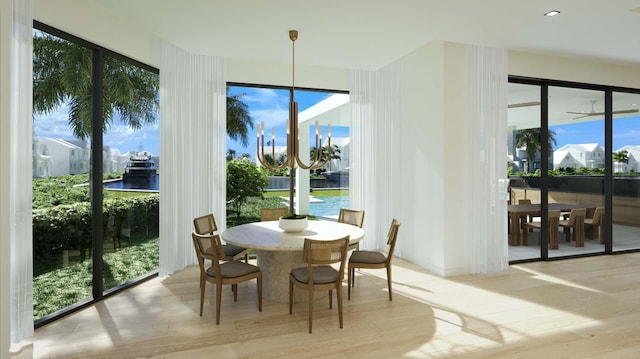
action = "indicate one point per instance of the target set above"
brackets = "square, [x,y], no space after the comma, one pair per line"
[278,251]
[518,210]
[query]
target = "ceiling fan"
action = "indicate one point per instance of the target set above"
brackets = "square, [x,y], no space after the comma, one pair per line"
[524,104]
[594,113]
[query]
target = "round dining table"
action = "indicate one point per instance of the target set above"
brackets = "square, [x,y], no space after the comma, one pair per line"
[279,251]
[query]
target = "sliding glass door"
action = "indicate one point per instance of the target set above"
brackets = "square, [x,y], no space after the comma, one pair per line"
[592,152]
[523,132]
[577,166]
[626,171]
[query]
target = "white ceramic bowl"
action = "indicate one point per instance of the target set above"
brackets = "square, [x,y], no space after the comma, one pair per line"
[292,225]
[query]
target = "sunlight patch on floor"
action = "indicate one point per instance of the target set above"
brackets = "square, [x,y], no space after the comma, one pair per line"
[556,280]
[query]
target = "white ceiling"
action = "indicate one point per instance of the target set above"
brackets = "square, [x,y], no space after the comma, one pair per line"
[368,34]
[566,105]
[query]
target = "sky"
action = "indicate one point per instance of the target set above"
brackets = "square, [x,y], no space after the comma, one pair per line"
[120,136]
[626,131]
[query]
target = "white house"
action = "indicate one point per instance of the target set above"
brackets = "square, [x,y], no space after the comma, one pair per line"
[633,153]
[343,146]
[57,157]
[590,155]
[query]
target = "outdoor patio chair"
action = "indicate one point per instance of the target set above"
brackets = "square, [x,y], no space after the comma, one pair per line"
[353,217]
[319,275]
[373,259]
[272,214]
[575,222]
[553,220]
[595,225]
[209,246]
[207,225]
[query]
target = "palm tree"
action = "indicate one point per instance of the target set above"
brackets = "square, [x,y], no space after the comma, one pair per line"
[62,74]
[530,139]
[231,154]
[324,152]
[239,122]
[621,157]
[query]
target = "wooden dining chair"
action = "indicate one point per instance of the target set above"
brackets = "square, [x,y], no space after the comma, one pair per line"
[353,217]
[575,224]
[595,225]
[373,259]
[272,214]
[209,246]
[553,218]
[524,219]
[207,225]
[319,275]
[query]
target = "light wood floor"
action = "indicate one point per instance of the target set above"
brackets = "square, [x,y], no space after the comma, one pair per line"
[579,308]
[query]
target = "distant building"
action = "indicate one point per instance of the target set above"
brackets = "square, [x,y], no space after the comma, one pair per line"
[343,146]
[58,157]
[633,153]
[589,155]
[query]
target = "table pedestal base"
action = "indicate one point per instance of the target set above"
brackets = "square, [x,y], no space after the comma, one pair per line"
[275,266]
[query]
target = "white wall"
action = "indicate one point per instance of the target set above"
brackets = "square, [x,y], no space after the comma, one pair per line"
[458,206]
[573,69]
[256,72]
[421,159]
[434,175]
[90,21]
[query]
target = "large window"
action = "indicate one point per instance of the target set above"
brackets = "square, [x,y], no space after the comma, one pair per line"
[328,187]
[95,162]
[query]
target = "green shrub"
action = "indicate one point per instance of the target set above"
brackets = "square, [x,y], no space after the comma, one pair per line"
[68,227]
[244,180]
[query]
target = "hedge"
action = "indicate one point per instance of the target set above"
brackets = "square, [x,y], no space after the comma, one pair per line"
[68,227]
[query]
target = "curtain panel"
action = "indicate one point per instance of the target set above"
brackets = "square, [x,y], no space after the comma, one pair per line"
[376,111]
[16,214]
[192,148]
[487,118]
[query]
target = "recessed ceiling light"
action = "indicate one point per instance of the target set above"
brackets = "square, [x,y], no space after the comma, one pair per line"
[552,13]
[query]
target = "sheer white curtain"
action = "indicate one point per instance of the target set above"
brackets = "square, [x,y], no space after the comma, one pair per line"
[17,81]
[192,148]
[487,117]
[376,111]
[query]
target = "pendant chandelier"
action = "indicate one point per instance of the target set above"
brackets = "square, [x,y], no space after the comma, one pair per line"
[293,160]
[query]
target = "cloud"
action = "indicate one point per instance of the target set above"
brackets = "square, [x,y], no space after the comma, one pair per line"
[260,97]
[125,139]
[55,124]
[632,134]
[271,116]
[118,135]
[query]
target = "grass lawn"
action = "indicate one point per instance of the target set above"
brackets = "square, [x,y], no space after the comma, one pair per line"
[58,288]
